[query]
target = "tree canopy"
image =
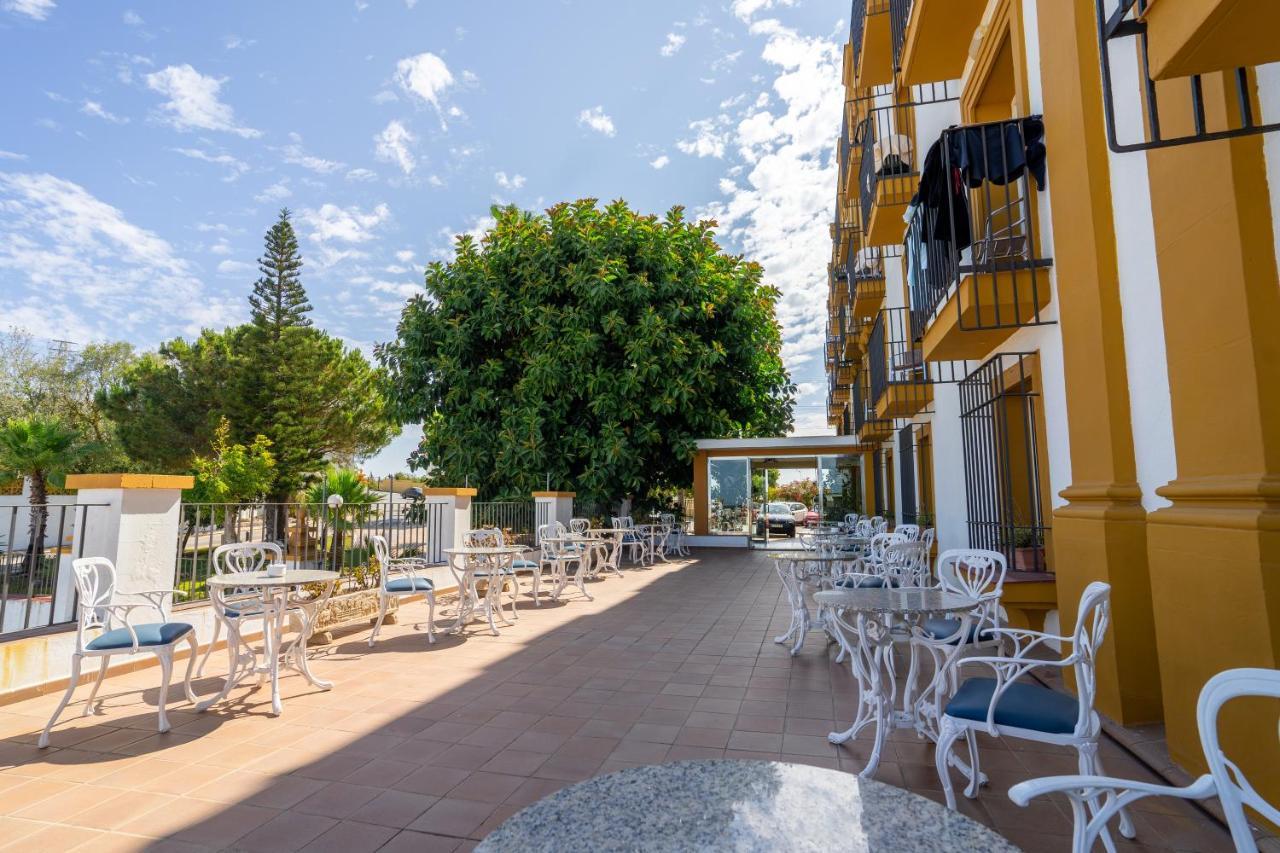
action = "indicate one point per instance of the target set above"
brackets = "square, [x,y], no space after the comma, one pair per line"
[587,347]
[278,300]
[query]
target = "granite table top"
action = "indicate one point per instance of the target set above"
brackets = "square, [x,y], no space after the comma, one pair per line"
[741,806]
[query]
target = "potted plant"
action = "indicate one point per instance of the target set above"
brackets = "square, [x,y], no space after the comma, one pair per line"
[1028,549]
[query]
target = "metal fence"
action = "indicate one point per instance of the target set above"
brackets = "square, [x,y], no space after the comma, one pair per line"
[312,536]
[37,544]
[516,519]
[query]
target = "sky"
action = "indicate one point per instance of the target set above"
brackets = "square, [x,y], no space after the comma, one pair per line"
[145,148]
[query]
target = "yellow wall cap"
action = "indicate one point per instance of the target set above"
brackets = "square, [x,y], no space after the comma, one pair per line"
[130,481]
[441,490]
[555,494]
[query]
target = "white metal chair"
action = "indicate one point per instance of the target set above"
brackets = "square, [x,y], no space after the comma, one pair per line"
[909,532]
[927,536]
[906,563]
[557,554]
[579,525]
[246,604]
[879,524]
[1224,779]
[631,538]
[95,579]
[399,577]
[1006,706]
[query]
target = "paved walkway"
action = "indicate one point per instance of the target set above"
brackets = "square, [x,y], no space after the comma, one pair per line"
[427,748]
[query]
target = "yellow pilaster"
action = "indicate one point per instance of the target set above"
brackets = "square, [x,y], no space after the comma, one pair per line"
[701,524]
[1215,552]
[1100,534]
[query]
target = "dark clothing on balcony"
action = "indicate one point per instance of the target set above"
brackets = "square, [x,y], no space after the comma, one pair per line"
[945,214]
[999,152]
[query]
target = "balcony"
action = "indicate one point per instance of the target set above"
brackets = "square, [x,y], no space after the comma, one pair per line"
[931,38]
[870,427]
[872,46]
[976,270]
[901,381]
[1202,36]
[889,172]
[866,283]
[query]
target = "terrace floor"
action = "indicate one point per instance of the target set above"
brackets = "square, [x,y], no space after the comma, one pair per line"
[427,748]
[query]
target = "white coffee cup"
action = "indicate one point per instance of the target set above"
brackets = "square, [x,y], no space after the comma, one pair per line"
[275,570]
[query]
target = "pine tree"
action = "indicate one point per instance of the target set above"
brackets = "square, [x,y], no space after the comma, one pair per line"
[278,300]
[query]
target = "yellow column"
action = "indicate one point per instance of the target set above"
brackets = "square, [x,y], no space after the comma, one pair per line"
[701,510]
[868,482]
[1100,534]
[1215,553]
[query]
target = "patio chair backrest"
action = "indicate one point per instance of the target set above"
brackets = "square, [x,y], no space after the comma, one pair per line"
[926,536]
[910,532]
[624,521]
[485,537]
[879,544]
[1086,640]
[879,524]
[96,588]
[851,520]
[579,525]
[907,562]
[972,571]
[246,556]
[863,527]
[382,553]
[1233,789]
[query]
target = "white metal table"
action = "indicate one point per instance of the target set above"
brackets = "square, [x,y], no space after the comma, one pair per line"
[800,571]
[607,546]
[275,604]
[470,565]
[866,618]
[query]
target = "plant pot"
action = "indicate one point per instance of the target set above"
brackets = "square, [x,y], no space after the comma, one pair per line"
[346,608]
[1029,559]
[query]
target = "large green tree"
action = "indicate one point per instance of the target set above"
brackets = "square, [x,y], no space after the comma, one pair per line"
[587,347]
[278,300]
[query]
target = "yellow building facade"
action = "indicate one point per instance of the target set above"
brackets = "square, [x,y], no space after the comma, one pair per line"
[1054,319]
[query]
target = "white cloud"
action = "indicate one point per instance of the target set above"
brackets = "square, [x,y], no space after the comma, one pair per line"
[425,76]
[193,101]
[297,156]
[404,256]
[132,18]
[596,119]
[93,108]
[235,167]
[76,266]
[37,10]
[393,145]
[361,174]
[746,9]
[343,224]
[234,42]
[222,247]
[11,155]
[710,136]
[660,162]
[276,192]
[235,268]
[675,41]
[512,182]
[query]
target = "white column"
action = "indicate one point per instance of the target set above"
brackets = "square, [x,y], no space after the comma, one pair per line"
[132,520]
[553,506]
[455,513]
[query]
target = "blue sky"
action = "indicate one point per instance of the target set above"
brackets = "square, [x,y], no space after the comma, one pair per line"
[146,147]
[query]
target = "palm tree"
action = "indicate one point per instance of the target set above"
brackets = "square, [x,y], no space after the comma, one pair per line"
[357,505]
[43,450]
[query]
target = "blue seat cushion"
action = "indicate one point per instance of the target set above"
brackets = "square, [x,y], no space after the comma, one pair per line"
[630,537]
[1021,706]
[524,564]
[938,627]
[863,583]
[410,585]
[149,634]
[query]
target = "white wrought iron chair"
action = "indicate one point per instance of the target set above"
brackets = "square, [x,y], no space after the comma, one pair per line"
[673,541]
[1224,779]
[97,607]
[245,604]
[879,524]
[579,525]
[906,564]
[927,536]
[492,537]
[631,538]
[399,577]
[909,532]
[557,554]
[1006,706]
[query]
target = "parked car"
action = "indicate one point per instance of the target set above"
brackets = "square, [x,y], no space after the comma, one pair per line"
[798,510]
[778,518]
[812,519]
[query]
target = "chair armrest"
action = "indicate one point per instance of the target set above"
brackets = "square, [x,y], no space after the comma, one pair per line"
[1025,639]
[1115,794]
[154,598]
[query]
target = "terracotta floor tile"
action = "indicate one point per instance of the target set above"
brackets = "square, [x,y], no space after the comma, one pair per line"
[394,808]
[755,741]
[432,780]
[487,787]
[454,817]
[409,841]
[337,800]
[221,828]
[286,831]
[352,837]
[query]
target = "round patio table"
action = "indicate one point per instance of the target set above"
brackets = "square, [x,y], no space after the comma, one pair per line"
[481,563]
[864,619]
[799,570]
[275,603]
[763,806]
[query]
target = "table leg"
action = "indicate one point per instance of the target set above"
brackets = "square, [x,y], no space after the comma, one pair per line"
[272,635]
[236,669]
[868,660]
[304,665]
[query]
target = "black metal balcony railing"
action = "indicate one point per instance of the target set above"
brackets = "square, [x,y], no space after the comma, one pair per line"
[897,366]
[1120,20]
[899,15]
[1000,437]
[987,231]
[888,156]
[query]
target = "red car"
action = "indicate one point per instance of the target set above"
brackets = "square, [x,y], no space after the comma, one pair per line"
[812,519]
